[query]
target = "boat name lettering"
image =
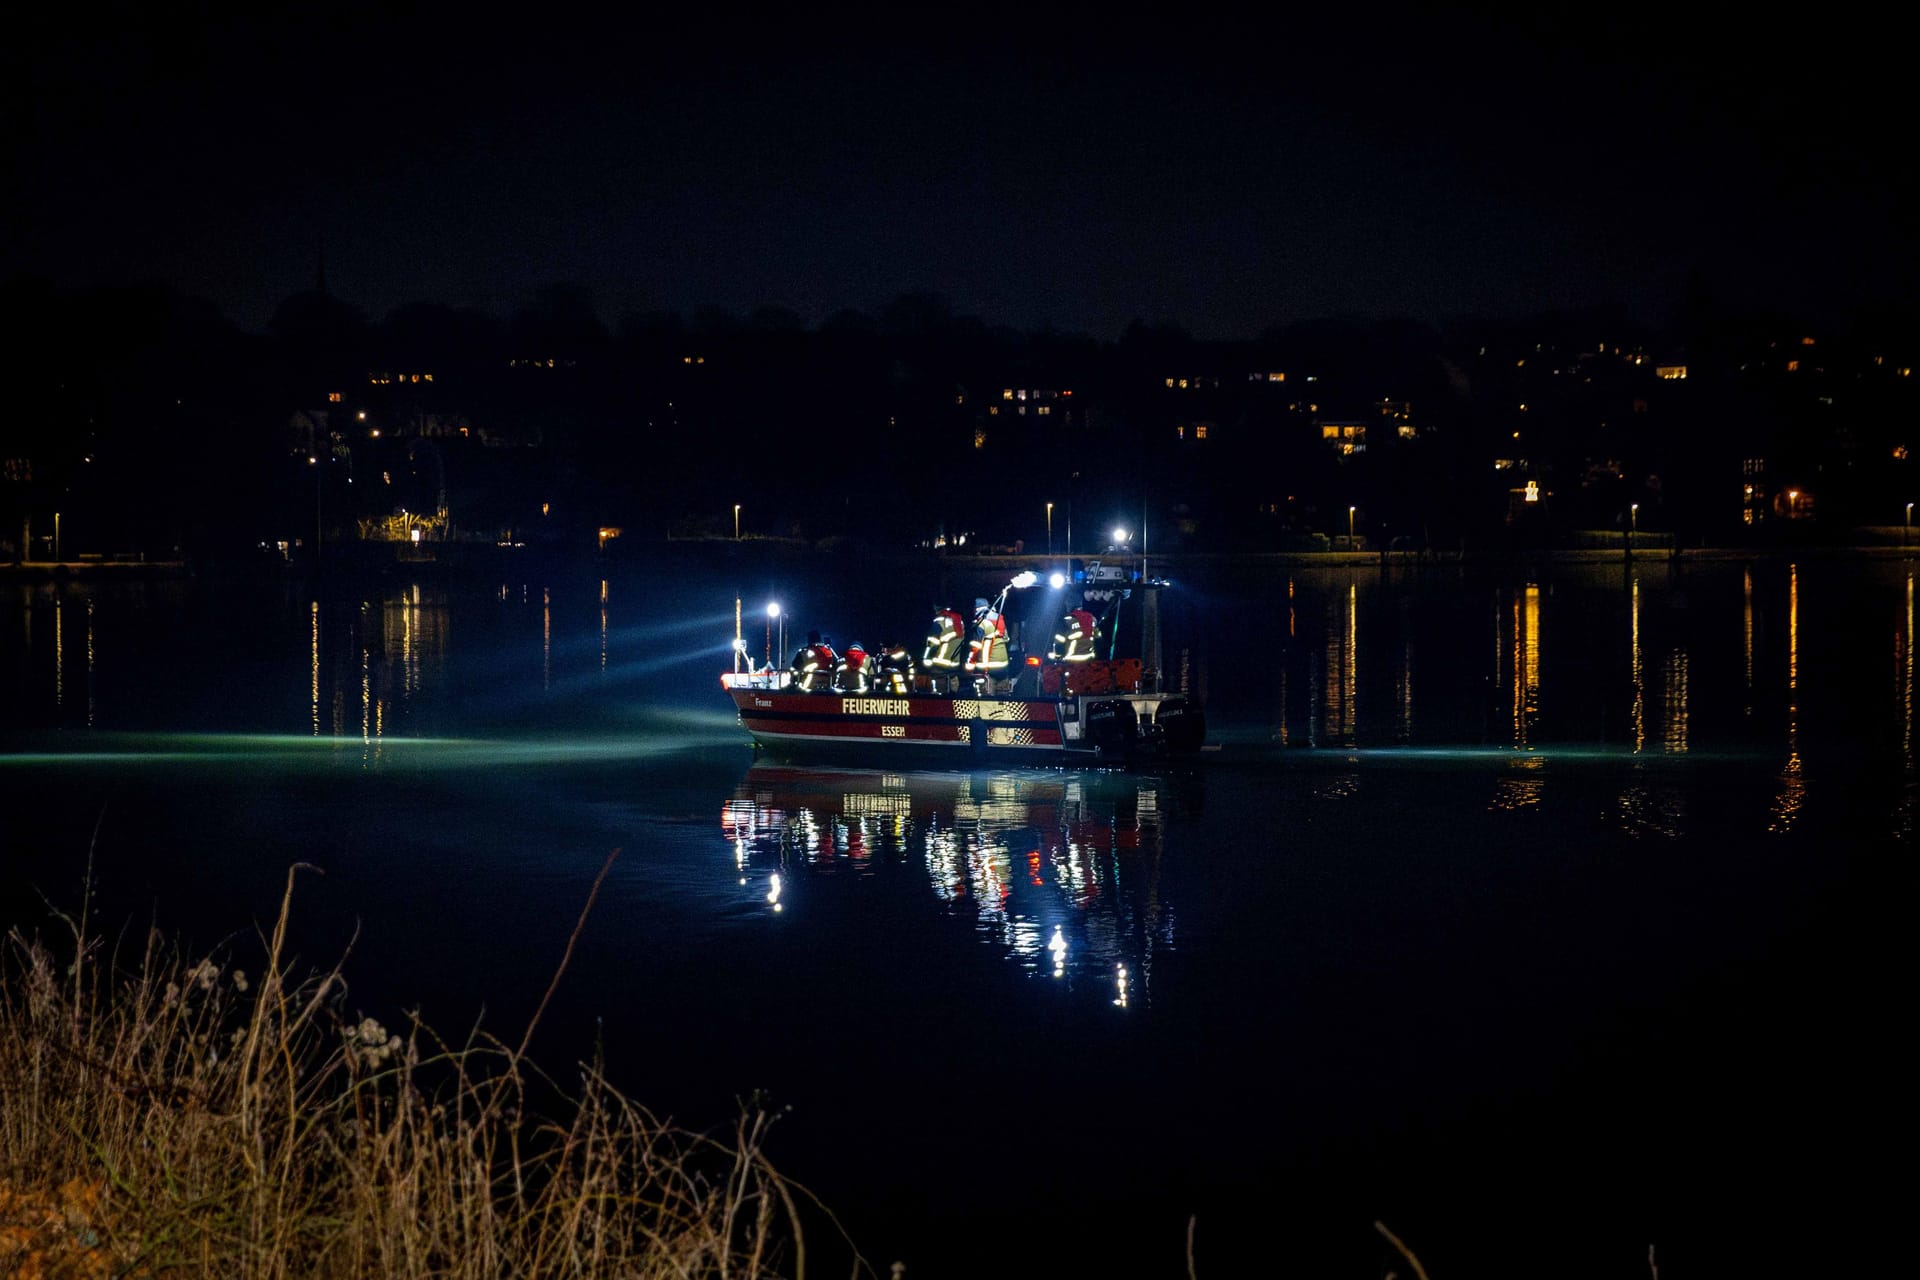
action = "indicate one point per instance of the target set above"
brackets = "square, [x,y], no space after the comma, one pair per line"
[874,706]
[761,702]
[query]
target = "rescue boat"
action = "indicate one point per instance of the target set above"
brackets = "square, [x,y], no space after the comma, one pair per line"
[1072,708]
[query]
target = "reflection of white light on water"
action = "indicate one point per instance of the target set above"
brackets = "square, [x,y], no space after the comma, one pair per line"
[315,615]
[1121,981]
[773,891]
[90,651]
[1059,948]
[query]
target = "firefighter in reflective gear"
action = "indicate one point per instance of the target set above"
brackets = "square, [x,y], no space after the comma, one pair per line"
[1075,639]
[945,644]
[987,651]
[850,673]
[896,669]
[813,665]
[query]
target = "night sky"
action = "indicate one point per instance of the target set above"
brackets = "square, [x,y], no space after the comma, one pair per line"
[1226,175]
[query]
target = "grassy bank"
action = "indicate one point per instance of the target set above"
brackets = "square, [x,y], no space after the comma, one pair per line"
[163,1112]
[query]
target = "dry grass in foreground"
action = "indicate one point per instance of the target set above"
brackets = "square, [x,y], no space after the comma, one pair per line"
[179,1115]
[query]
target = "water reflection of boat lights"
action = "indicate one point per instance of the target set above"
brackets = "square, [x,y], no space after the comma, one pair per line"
[1523,792]
[996,840]
[773,890]
[1121,982]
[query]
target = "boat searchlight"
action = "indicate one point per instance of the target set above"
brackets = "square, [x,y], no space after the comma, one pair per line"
[1057,580]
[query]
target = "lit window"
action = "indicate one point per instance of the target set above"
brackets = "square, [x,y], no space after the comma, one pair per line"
[1007,394]
[979,437]
[1792,365]
[1276,377]
[993,410]
[1046,408]
[334,397]
[1200,432]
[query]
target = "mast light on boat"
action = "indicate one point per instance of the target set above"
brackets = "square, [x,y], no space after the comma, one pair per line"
[773,610]
[1120,535]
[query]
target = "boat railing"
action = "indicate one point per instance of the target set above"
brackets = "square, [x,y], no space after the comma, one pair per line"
[756,679]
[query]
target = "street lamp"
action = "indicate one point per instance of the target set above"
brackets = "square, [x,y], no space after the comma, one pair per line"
[56,534]
[1350,511]
[773,611]
[1050,527]
[1906,529]
[736,522]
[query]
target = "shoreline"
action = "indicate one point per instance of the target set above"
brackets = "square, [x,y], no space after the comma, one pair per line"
[487,561]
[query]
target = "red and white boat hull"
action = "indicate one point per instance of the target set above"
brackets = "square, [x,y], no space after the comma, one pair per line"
[920,725]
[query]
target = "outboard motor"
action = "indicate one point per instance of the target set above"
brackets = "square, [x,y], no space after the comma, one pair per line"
[1113,727]
[1181,725]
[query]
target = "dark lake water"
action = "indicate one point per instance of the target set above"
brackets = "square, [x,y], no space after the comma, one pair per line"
[1543,916]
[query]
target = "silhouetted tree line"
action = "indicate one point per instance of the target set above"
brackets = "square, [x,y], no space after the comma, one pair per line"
[153,424]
